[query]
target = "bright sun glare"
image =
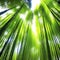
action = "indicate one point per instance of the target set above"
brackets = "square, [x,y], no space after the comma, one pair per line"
[35,3]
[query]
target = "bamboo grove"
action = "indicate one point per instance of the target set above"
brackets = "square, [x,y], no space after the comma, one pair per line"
[27,34]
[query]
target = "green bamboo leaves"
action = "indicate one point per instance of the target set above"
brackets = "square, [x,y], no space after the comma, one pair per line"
[27,34]
[49,20]
[29,16]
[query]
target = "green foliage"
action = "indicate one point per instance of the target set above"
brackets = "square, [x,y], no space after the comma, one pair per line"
[27,34]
